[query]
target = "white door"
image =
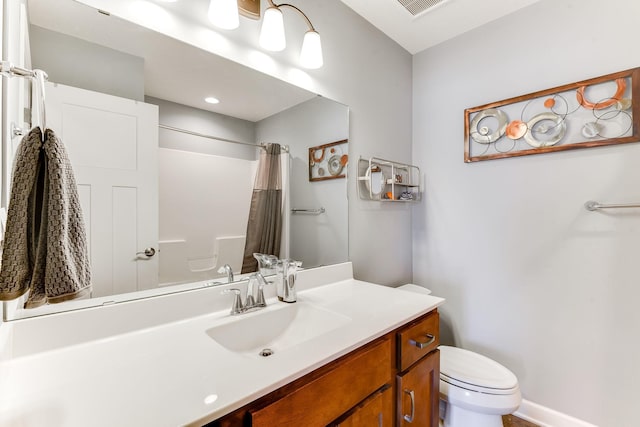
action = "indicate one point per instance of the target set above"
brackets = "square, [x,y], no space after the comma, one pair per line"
[112,143]
[15,96]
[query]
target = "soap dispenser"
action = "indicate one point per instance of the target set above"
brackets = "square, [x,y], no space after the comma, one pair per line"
[286,280]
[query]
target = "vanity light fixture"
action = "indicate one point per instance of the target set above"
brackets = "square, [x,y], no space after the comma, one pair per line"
[272,35]
[272,31]
[224,14]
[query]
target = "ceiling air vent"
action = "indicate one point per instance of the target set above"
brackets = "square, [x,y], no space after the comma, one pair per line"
[416,7]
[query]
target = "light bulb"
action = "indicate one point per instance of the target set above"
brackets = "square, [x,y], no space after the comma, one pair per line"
[224,14]
[272,31]
[311,53]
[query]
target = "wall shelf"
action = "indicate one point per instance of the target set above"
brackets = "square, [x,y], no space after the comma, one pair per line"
[388,181]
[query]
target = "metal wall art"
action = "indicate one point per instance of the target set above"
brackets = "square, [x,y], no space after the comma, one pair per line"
[600,111]
[328,161]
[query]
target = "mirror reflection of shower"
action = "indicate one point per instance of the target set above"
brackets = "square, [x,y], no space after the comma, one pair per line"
[192,237]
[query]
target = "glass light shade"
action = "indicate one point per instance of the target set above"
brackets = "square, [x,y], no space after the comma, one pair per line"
[272,31]
[224,14]
[311,54]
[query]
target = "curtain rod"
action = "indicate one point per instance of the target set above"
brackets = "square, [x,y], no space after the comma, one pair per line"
[189,132]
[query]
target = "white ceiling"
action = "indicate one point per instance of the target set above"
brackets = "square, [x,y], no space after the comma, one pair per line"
[440,23]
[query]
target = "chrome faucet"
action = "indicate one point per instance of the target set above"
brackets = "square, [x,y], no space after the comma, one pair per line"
[255,295]
[228,270]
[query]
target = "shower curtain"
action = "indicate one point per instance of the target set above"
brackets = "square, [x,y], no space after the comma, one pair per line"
[264,228]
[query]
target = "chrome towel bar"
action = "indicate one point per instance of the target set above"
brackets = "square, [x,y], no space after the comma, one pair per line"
[594,206]
[309,211]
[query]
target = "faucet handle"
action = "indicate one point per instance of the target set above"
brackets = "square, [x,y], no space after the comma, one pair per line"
[236,307]
[260,301]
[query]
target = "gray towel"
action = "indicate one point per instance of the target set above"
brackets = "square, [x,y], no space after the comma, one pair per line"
[45,245]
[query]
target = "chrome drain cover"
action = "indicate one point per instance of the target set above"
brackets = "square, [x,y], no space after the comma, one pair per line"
[266,352]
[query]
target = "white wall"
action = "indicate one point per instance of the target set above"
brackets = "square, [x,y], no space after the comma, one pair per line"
[531,278]
[316,239]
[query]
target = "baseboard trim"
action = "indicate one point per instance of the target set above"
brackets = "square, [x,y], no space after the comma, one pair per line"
[546,417]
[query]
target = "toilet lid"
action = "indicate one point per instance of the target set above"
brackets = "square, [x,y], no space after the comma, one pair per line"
[474,369]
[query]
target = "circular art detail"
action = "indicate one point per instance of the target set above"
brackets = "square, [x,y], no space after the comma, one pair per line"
[318,159]
[334,165]
[623,104]
[516,129]
[621,87]
[484,135]
[557,131]
[590,130]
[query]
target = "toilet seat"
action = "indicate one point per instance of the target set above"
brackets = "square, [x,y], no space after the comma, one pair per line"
[472,371]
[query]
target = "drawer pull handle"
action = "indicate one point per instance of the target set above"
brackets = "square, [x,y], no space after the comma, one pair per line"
[423,344]
[409,418]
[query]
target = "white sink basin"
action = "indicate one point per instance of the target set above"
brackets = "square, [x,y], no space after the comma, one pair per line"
[276,327]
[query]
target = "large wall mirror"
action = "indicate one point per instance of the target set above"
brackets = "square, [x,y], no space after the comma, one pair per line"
[115,90]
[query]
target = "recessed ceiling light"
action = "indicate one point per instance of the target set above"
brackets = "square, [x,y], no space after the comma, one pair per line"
[212,100]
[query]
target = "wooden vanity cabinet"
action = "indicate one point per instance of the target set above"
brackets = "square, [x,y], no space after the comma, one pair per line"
[418,379]
[375,410]
[370,386]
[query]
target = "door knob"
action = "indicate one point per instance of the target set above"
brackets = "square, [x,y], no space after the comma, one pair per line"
[149,252]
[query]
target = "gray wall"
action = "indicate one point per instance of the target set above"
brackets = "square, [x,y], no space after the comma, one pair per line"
[206,123]
[316,239]
[370,73]
[75,62]
[531,278]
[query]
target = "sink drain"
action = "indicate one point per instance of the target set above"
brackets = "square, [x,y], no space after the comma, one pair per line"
[266,352]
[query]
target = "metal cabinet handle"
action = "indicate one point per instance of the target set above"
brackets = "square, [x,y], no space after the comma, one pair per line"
[149,252]
[423,344]
[409,418]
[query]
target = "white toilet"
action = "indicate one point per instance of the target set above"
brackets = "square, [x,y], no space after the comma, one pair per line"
[476,390]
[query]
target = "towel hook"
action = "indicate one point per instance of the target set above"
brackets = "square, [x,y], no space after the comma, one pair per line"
[40,77]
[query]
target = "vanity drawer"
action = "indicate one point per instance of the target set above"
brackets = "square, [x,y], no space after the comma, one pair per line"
[324,399]
[418,339]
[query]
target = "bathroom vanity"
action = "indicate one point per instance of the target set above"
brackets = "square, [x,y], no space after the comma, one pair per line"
[347,353]
[395,377]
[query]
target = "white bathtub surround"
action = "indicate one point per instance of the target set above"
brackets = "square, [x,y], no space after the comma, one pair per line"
[159,355]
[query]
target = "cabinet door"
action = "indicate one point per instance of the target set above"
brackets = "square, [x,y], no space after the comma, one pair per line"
[375,411]
[419,393]
[326,398]
[418,339]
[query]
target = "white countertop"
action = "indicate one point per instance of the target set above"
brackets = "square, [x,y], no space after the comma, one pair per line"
[175,374]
